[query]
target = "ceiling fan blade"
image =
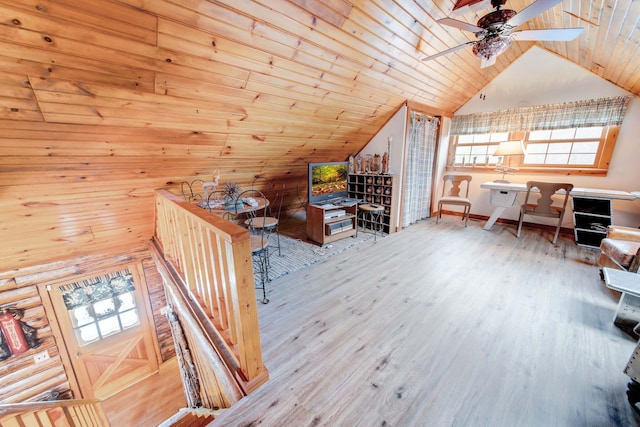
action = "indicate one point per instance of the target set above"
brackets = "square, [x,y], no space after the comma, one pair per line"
[465,26]
[531,11]
[488,62]
[444,52]
[552,34]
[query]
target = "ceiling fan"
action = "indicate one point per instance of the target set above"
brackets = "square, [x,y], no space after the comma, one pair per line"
[495,31]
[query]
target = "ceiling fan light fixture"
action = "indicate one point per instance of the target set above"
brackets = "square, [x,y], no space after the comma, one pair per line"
[495,31]
[491,46]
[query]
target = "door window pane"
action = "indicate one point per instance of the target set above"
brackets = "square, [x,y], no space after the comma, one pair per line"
[87,334]
[101,306]
[109,326]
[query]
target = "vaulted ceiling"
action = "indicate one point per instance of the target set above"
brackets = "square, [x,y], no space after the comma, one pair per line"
[111,99]
[271,70]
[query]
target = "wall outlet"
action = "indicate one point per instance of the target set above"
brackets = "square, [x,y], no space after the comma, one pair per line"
[41,357]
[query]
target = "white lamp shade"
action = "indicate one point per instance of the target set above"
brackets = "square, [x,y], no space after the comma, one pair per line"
[510,148]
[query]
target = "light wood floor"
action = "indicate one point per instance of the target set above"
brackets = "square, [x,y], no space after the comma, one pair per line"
[149,402]
[442,325]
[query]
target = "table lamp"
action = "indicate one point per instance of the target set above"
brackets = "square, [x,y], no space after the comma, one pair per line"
[508,149]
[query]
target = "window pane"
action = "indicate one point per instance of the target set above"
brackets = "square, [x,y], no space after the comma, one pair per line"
[465,139]
[585,147]
[557,159]
[560,147]
[479,150]
[536,148]
[462,155]
[499,137]
[594,132]
[534,158]
[482,137]
[539,135]
[582,159]
[563,133]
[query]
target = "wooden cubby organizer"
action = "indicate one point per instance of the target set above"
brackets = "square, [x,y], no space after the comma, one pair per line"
[379,190]
[328,223]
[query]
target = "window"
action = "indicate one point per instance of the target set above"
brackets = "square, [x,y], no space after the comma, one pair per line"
[570,138]
[102,306]
[566,147]
[575,148]
[478,149]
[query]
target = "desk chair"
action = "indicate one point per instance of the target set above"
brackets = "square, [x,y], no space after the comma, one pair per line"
[258,240]
[452,184]
[544,206]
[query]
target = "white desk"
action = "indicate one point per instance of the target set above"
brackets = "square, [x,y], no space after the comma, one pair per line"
[504,195]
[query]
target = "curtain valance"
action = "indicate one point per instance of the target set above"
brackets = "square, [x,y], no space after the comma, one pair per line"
[587,113]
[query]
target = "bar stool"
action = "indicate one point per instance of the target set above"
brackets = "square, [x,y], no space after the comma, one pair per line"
[374,214]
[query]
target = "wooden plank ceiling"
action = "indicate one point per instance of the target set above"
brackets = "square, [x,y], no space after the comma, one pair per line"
[105,100]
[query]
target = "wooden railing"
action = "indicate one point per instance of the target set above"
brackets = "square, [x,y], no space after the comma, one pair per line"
[59,413]
[207,259]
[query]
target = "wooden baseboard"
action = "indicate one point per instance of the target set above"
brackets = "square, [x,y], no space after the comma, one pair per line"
[563,230]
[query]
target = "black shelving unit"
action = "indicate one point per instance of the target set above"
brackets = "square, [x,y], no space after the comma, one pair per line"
[591,217]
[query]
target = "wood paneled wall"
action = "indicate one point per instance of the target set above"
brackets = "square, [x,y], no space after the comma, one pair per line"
[22,378]
[69,190]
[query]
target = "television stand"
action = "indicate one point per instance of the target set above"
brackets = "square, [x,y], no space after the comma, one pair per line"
[328,222]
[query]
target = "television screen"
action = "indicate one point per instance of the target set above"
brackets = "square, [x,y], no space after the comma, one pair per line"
[327,181]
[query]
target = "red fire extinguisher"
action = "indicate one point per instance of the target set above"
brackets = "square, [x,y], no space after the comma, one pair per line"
[12,331]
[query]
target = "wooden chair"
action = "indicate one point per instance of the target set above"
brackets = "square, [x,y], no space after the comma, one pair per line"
[544,205]
[452,184]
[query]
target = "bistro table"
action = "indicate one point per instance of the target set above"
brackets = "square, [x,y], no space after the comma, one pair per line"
[249,205]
